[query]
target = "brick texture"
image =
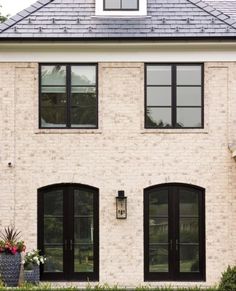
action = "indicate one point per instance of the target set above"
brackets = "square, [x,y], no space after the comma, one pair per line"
[120,155]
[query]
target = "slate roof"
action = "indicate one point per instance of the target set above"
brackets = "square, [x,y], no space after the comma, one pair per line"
[75,19]
[227,7]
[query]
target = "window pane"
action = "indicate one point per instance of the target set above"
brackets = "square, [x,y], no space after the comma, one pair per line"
[189,96]
[53,75]
[158,203]
[158,230]
[189,75]
[189,203]
[83,202]
[84,116]
[83,75]
[189,230]
[53,99]
[189,258]
[112,4]
[158,117]
[158,258]
[53,230]
[53,116]
[53,203]
[129,4]
[158,75]
[54,262]
[86,97]
[158,96]
[83,256]
[83,230]
[55,90]
[189,117]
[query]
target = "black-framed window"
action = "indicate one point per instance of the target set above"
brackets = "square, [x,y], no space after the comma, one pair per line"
[68,232]
[121,5]
[174,96]
[174,233]
[68,96]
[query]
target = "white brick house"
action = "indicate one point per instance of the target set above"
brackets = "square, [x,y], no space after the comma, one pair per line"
[98,97]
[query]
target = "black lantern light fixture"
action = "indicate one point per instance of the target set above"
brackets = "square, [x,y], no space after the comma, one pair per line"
[121,205]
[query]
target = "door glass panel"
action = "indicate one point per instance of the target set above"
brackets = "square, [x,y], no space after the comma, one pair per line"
[53,230]
[84,258]
[189,258]
[54,262]
[158,230]
[158,203]
[189,230]
[189,203]
[53,203]
[158,258]
[84,231]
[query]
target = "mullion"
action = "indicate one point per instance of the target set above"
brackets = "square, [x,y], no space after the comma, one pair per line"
[174,95]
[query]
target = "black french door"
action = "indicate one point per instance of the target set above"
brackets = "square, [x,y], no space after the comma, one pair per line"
[174,233]
[68,232]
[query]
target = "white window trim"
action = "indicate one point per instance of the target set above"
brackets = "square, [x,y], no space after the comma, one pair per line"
[141,12]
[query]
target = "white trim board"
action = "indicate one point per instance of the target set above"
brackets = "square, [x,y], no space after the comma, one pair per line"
[117,52]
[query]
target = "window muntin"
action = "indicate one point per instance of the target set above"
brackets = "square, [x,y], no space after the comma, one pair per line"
[174,233]
[68,96]
[121,5]
[174,96]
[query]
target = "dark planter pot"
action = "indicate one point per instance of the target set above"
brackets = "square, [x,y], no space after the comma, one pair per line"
[32,276]
[10,268]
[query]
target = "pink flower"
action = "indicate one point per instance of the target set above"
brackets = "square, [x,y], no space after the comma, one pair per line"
[14,250]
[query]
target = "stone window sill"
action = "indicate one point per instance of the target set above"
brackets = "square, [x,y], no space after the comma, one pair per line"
[175,131]
[68,131]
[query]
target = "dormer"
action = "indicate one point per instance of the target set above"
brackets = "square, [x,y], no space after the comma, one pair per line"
[121,8]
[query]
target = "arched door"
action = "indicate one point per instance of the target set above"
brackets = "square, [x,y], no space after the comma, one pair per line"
[68,222]
[174,233]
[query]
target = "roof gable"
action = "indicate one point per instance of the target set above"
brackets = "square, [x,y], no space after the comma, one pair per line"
[76,19]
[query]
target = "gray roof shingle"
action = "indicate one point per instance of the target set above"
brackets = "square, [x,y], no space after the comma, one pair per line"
[227,7]
[76,19]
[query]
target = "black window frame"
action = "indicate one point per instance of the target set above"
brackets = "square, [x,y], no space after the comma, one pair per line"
[174,87]
[68,95]
[173,221]
[120,9]
[68,273]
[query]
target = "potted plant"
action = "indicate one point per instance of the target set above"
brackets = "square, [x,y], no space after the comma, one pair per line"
[32,261]
[10,256]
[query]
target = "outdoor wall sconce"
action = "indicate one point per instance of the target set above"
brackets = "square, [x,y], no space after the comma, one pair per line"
[121,205]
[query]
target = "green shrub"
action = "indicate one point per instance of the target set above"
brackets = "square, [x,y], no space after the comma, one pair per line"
[228,280]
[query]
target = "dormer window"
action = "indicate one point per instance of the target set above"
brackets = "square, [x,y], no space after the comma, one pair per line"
[121,8]
[110,5]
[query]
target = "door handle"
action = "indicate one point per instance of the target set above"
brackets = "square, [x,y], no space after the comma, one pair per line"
[171,245]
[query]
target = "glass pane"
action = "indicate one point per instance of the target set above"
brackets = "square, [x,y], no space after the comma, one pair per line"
[53,117]
[158,117]
[189,117]
[158,75]
[158,258]
[84,98]
[53,99]
[84,117]
[83,202]
[158,203]
[53,230]
[189,231]
[53,90]
[83,75]
[189,258]
[129,4]
[158,230]
[189,75]
[112,4]
[189,203]
[83,230]
[189,96]
[53,203]
[54,262]
[53,75]
[158,96]
[83,255]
